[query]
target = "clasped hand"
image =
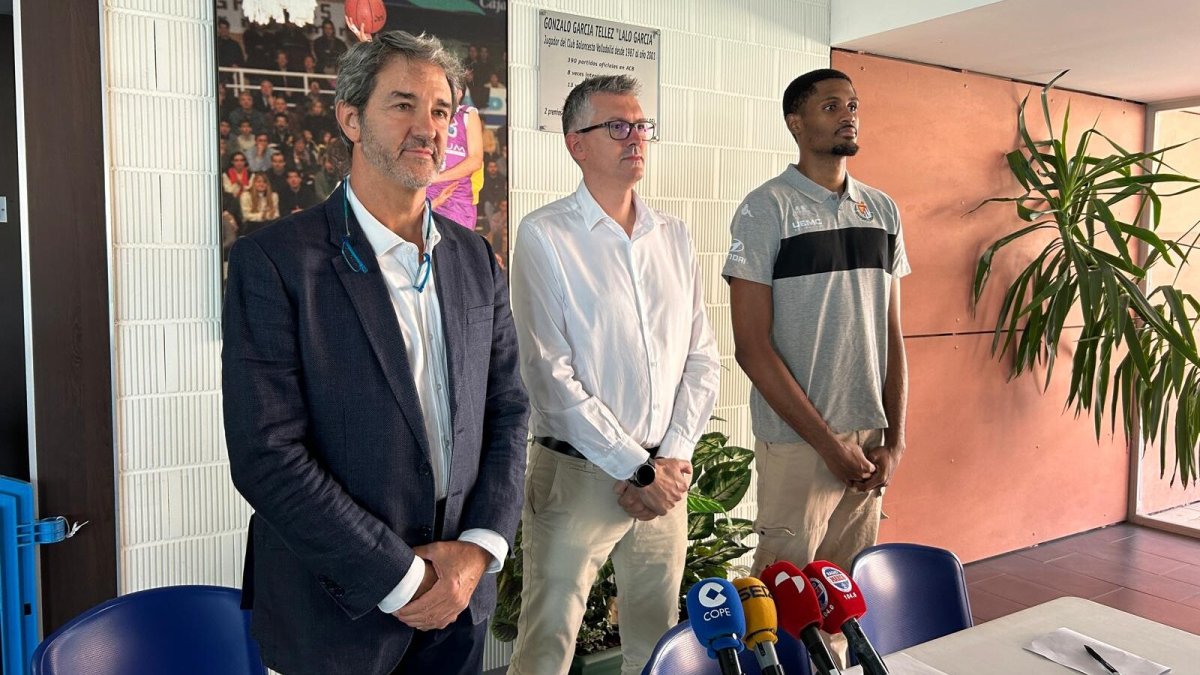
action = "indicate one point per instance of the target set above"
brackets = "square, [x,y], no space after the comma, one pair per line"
[452,571]
[671,482]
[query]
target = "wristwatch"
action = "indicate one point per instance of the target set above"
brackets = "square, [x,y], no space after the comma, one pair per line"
[644,474]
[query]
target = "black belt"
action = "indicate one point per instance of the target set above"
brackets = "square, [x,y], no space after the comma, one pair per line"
[565,448]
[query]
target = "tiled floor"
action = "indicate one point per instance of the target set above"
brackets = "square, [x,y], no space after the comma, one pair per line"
[1139,570]
[1188,514]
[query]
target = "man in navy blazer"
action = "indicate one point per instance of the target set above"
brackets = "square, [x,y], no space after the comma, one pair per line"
[374,413]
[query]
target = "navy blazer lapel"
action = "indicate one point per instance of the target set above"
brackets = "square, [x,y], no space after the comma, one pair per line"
[369,296]
[447,272]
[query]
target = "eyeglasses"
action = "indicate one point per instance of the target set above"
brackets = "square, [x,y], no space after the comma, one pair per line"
[619,130]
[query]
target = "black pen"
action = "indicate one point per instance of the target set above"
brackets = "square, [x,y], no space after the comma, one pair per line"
[1108,666]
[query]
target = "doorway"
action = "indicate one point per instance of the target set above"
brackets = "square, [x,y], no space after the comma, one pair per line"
[1159,499]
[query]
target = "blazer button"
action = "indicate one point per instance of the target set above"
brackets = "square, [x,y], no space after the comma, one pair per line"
[427,532]
[423,469]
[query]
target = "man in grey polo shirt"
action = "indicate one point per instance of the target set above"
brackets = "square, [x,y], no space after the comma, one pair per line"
[814,272]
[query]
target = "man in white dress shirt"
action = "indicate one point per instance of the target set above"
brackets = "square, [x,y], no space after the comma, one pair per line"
[622,373]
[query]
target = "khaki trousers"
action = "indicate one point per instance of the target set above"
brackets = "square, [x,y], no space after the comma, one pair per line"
[805,513]
[571,523]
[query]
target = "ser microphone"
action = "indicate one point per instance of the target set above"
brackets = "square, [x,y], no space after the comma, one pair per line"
[841,605]
[762,624]
[718,622]
[799,612]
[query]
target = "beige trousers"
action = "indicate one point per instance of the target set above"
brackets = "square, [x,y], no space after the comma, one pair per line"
[571,523]
[805,513]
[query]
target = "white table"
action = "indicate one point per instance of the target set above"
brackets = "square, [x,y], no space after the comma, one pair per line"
[998,646]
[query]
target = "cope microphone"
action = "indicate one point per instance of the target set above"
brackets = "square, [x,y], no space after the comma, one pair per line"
[762,623]
[799,612]
[717,620]
[841,605]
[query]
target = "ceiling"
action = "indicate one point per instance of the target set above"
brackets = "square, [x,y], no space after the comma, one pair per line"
[1144,51]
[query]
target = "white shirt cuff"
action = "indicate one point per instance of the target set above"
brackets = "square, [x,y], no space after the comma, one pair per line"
[491,542]
[404,591]
[676,446]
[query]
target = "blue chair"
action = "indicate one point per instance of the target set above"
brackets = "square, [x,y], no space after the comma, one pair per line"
[913,593]
[680,653]
[183,630]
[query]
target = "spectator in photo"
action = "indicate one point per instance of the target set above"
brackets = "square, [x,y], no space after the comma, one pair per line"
[236,178]
[286,82]
[258,159]
[260,204]
[260,46]
[265,99]
[499,237]
[226,103]
[277,174]
[317,121]
[229,52]
[495,188]
[315,95]
[231,221]
[246,113]
[496,92]
[302,158]
[502,160]
[281,133]
[499,218]
[295,118]
[244,141]
[224,130]
[296,196]
[326,178]
[310,65]
[223,152]
[328,48]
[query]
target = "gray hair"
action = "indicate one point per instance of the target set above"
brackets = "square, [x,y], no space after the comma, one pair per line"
[578,107]
[359,66]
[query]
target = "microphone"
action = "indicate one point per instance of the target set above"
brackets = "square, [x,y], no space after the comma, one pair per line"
[761,623]
[717,620]
[841,605]
[799,612]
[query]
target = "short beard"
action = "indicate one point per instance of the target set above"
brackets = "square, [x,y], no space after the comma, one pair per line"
[389,164]
[847,149]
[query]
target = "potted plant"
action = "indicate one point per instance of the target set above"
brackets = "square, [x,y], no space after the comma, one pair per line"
[720,478]
[1136,356]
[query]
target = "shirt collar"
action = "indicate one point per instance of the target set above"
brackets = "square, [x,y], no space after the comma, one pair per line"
[816,192]
[383,240]
[645,218]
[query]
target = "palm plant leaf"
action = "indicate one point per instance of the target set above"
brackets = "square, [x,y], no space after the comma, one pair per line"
[1155,387]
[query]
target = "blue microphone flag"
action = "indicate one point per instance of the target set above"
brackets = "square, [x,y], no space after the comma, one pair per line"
[715,612]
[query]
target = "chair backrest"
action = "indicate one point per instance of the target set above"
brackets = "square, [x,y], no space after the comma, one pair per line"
[183,630]
[913,593]
[678,652]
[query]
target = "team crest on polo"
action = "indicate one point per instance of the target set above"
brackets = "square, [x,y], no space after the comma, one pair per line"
[863,211]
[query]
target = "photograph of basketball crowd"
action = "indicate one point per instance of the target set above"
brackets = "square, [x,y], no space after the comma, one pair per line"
[280,151]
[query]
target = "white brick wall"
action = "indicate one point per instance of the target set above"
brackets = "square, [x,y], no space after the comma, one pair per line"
[724,66]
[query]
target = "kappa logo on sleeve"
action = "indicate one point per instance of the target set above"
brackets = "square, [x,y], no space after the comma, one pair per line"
[735,252]
[746,211]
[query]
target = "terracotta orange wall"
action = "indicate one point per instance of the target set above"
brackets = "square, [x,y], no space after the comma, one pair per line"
[993,466]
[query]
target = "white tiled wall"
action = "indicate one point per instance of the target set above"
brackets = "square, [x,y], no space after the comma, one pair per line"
[724,66]
[180,520]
